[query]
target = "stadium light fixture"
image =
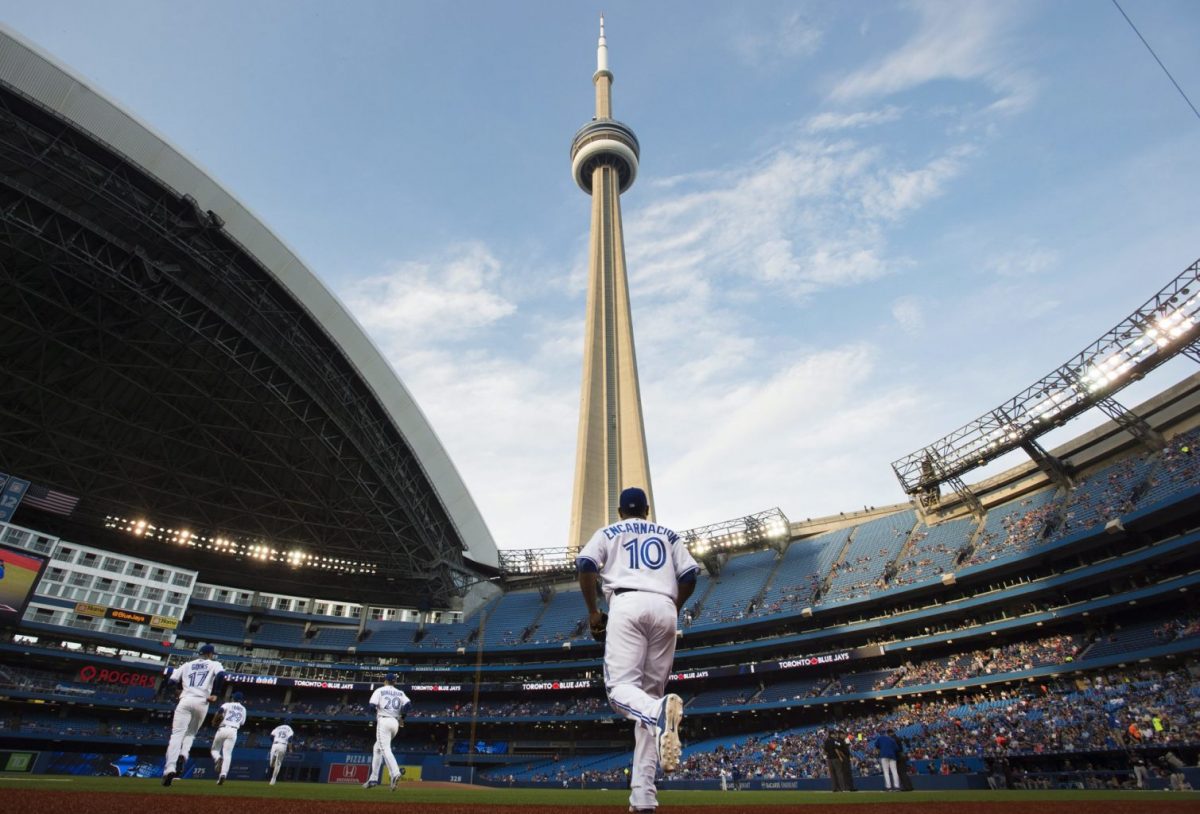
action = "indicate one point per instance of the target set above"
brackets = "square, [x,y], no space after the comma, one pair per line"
[1168,323]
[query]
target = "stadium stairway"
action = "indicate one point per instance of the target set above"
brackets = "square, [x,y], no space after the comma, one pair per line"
[830,572]
[756,601]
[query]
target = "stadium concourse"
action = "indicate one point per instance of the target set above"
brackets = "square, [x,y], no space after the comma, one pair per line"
[201,447]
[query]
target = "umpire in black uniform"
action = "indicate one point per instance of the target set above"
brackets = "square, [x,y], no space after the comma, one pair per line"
[902,764]
[834,760]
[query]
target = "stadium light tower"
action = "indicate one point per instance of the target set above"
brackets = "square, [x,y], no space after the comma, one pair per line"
[611,449]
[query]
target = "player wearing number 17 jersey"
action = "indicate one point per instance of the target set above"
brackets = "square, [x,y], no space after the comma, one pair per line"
[647,574]
[200,680]
[389,705]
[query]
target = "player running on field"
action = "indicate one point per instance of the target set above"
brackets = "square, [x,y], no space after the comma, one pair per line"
[281,737]
[227,722]
[388,704]
[647,574]
[200,679]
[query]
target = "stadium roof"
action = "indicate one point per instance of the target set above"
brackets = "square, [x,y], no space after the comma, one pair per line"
[168,360]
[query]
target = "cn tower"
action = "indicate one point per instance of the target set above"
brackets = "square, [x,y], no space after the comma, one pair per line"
[611,450]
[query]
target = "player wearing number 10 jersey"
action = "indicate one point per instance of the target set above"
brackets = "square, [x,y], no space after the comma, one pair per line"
[647,574]
[200,679]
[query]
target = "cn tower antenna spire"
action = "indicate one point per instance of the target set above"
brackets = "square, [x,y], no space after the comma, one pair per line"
[602,49]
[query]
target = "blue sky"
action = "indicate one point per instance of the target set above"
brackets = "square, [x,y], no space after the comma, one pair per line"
[857,226]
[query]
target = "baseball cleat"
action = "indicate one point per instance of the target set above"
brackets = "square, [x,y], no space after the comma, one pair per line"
[168,777]
[370,784]
[395,782]
[669,746]
[179,764]
[217,765]
[221,780]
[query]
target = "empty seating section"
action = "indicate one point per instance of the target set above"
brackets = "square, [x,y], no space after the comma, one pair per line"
[283,634]
[798,575]
[510,618]
[725,697]
[1178,468]
[741,579]
[796,690]
[934,551]
[1014,526]
[214,625]
[856,682]
[388,635]
[448,636]
[563,619]
[1128,638]
[875,544]
[832,550]
[1103,495]
[335,637]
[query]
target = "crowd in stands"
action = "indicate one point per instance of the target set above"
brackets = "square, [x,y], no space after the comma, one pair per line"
[1107,494]
[1058,649]
[1113,712]
[1021,532]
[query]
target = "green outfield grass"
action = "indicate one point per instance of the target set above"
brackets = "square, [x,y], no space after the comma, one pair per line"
[416,793]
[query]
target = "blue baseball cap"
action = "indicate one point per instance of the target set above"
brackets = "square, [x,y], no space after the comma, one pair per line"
[237,696]
[633,500]
[207,649]
[390,677]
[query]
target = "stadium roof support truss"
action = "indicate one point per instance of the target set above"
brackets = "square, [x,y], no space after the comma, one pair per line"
[765,528]
[1167,324]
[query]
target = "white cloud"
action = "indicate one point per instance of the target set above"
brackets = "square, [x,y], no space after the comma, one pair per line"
[909,314]
[794,37]
[771,439]
[831,121]
[1029,261]
[957,41]
[431,301]
[891,194]
[807,216]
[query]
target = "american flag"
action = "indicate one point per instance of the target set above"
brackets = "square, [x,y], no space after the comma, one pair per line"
[50,500]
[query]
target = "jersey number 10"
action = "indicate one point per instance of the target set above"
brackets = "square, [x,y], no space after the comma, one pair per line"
[650,553]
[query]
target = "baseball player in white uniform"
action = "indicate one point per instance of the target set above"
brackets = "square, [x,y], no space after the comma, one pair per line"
[227,722]
[389,705]
[199,680]
[280,737]
[647,574]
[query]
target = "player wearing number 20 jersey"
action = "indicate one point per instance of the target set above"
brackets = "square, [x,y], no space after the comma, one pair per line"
[647,574]
[389,705]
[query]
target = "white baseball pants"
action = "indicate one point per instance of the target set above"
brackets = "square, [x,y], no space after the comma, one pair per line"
[385,730]
[891,777]
[278,750]
[638,652]
[222,747]
[189,715]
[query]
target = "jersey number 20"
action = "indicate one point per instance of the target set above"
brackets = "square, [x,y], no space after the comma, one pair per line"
[649,552]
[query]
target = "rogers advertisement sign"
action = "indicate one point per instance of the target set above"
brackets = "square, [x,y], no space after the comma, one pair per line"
[93,674]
